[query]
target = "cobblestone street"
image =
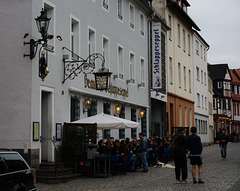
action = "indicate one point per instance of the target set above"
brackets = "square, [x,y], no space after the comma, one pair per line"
[218,174]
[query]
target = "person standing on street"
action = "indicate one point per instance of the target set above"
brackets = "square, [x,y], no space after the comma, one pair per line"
[143,150]
[223,140]
[194,145]
[179,156]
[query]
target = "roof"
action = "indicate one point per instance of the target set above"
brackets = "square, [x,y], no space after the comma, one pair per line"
[235,73]
[218,71]
[202,39]
[175,6]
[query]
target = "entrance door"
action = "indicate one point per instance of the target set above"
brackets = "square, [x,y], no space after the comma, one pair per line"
[46,126]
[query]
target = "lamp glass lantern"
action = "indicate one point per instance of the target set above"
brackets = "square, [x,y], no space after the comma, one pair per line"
[43,23]
[117,109]
[88,103]
[102,79]
[141,113]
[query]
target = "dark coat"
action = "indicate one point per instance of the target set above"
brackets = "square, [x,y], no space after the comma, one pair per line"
[223,137]
[181,144]
[194,144]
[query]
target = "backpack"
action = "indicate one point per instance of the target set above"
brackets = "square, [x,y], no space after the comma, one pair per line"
[173,144]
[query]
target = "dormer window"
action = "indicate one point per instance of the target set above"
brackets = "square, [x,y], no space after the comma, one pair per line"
[180,3]
[219,84]
[184,8]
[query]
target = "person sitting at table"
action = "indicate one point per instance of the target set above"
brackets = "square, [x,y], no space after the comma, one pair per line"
[121,151]
[102,148]
[151,153]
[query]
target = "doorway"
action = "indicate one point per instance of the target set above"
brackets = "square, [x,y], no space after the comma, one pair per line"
[47,151]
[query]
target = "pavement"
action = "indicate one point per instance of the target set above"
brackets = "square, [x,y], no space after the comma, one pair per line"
[218,174]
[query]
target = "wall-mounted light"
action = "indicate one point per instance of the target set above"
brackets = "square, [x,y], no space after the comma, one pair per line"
[73,68]
[117,110]
[141,114]
[42,22]
[87,105]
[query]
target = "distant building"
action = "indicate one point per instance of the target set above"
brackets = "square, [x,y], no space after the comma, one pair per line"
[222,98]
[179,58]
[212,131]
[235,123]
[200,80]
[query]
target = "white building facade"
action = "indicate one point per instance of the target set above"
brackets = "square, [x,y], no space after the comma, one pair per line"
[31,108]
[201,106]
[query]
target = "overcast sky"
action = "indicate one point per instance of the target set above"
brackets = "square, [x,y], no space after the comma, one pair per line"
[219,21]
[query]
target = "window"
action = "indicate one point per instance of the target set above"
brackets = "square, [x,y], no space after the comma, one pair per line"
[170,71]
[91,41]
[214,103]
[142,24]
[190,82]
[202,102]
[206,103]
[197,47]
[201,51]
[170,25]
[219,84]
[198,74]
[180,115]
[105,4]
[184,78]
[190,117]
[142,72]
[106,134]
[179,75]
[120,62]
[132,68]
[205,78]
[120,17]
[185,116]
[198,99]
[204,55]
[201,76]
[184,43]
[107,108]
[75,38]
[14,162]
[50,10]
[75,108]
[210,108]
[235,89]
[179,34]
[132,19]
[189,45]
[121,133]
[133,133]
[105,51]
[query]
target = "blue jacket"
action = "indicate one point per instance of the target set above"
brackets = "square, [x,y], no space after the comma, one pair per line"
[194,145]
[143,145]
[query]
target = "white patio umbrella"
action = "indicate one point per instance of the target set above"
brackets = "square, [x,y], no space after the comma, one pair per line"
[105,121]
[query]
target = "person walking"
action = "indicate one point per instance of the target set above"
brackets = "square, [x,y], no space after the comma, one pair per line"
[143,150]
[179,156]
[194,145]
[223,140]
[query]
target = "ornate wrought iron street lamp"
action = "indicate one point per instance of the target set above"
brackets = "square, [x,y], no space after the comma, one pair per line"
[42,22]
[73,68]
